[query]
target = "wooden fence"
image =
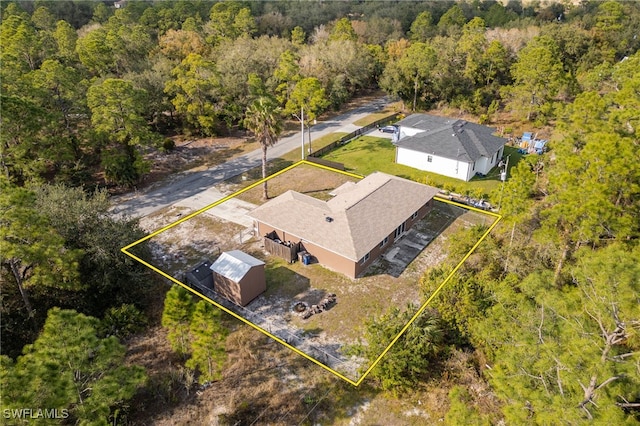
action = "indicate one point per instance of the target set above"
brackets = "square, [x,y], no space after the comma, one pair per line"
[323,162]
[346,138]
[285,250]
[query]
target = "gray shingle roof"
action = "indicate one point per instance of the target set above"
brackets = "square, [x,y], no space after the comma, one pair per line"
[449,138]
[234,264]
[362,214]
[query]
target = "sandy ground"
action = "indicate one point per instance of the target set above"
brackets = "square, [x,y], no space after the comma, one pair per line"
[192,153]
[203,237]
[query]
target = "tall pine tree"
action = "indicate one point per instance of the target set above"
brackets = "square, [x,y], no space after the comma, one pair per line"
[70,367]
[176,318]
[207,345]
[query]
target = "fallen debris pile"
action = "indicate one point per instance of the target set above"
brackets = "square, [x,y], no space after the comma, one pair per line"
[324,304]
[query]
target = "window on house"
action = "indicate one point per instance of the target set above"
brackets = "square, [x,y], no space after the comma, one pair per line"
[384,242]
[429,158]
[413,216]
[365,258]
[399,230]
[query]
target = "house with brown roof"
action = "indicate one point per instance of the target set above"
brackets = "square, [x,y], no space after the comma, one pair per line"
[447,146]
[349,231]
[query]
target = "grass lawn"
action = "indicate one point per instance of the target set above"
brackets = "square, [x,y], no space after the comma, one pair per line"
[304,178]
[368,154]
[274,166]
[316,144]
[371,118]
[284,161]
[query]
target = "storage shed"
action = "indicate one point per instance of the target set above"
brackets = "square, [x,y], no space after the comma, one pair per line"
[238,277]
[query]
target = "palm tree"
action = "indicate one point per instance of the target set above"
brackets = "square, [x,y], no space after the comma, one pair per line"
[264,120]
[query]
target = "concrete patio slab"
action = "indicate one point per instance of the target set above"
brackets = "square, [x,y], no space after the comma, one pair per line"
[233,210]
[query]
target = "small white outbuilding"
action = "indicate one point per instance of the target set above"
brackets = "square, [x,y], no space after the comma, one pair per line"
[238,277]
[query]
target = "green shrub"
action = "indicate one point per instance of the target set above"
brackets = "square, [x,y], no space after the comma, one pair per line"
[168,145]
[123,321]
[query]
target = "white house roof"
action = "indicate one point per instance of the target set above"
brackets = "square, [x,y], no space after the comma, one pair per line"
[234,264]
[354,221]
[449,138]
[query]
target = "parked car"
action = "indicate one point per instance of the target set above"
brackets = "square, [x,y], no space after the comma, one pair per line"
[388,129]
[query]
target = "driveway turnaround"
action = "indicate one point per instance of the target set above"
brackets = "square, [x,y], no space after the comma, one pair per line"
[233,210]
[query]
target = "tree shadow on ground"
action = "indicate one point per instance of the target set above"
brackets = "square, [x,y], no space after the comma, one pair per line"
[283,282]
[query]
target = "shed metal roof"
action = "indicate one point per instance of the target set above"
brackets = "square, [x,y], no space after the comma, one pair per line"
[235,264]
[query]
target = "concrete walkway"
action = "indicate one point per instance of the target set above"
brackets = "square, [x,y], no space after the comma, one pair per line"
[191,183]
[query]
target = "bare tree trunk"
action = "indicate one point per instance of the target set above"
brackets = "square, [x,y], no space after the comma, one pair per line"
[265,195]
[506,262]
[533,99]
[487,82]
[559,266]
[617,336]
[23,291]
[628,404]
[559,380]
[540,338]
[590,391]
[415,92]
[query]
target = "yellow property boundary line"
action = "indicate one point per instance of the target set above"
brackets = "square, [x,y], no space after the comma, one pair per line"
[125,250]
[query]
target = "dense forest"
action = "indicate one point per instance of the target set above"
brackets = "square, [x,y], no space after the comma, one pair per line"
[547,310]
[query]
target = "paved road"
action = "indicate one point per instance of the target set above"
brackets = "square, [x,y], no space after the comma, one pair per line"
[191,183]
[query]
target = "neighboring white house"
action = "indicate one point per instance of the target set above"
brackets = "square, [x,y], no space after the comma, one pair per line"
[454,148]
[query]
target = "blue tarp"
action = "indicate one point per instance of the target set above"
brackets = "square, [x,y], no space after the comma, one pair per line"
[539,146]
